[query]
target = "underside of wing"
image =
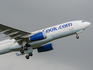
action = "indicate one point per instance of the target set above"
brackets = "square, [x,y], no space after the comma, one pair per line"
[13,33]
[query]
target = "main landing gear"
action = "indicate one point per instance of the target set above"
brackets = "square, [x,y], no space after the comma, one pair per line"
[27,56]
[22,51]
[77,36]
[24,48]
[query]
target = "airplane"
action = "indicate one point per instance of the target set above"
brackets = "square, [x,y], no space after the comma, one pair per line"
[26,42]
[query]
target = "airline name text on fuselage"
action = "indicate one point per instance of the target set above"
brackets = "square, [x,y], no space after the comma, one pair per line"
[58,27]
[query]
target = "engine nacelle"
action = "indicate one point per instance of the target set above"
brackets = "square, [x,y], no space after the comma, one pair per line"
[46,47]
[38,36]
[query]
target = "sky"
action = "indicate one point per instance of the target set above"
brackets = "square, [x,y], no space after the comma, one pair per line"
[31,15]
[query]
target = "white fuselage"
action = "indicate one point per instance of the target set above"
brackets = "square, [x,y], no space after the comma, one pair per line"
[54,32]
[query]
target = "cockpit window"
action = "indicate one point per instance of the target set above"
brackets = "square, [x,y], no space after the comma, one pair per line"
[83,21]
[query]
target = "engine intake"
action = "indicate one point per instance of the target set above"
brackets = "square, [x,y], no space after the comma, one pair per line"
[46,47]
[38,36]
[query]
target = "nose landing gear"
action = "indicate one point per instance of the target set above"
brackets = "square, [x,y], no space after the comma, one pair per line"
[77,37]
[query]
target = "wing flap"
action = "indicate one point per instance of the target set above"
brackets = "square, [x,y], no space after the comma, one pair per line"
[13,33]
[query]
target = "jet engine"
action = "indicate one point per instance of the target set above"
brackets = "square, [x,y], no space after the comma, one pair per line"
[46,47]
[38,36]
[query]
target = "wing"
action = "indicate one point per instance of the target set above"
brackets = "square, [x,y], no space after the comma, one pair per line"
[14,33]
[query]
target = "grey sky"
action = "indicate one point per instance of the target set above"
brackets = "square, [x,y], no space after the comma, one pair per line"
[31,15]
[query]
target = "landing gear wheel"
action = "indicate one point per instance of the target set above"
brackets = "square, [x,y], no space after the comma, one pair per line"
[30,54]
[28,45]
[22,51]
[77,37]
[27,56]
[25,48]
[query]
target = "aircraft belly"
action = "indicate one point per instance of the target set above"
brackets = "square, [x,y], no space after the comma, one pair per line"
[7,50]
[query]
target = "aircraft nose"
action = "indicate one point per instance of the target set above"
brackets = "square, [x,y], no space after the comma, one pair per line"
[88,24]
